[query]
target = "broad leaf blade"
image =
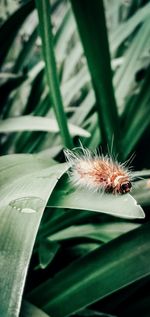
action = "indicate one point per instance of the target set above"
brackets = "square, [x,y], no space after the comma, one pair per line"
[27,183]
[121,205]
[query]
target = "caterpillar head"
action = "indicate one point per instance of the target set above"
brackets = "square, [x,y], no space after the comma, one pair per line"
[122,185]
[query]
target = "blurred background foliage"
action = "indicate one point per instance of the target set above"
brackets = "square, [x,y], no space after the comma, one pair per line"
[69,71]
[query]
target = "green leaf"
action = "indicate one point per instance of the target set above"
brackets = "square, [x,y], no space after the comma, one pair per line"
[96,275]
[141,192]
[80,249]
[124,206]
[45,27]
[125,76]
[124,30]
[29,310]
[95,43]
[141,174]
[63,220]
[47,251]
[35,123]
[26,184]
[137,118]
[103,232]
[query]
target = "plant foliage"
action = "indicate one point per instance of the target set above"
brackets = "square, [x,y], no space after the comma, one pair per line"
[73,71]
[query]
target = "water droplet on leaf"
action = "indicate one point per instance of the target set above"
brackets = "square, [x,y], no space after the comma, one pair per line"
[28,211]
[29,204]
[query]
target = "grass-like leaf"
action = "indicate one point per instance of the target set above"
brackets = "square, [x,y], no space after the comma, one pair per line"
[124,30]
[36,123]
[101,232]
[137,118]
[52,78]
[96,275]
[125,76]
[95,43]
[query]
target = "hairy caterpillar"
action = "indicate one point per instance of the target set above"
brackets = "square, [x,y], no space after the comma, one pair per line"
[98,172]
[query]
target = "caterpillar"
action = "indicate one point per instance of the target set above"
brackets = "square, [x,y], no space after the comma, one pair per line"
[97,172]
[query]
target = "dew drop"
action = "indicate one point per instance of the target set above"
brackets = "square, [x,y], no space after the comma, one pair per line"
[29,204]
[28,211]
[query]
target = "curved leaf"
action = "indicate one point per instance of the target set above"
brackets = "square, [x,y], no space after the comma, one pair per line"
[125,206]
[36,123]
[26,183]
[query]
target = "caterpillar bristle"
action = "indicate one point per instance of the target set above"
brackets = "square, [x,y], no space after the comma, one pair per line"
[97,172]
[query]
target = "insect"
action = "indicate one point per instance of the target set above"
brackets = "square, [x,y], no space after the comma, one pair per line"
[97,172]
